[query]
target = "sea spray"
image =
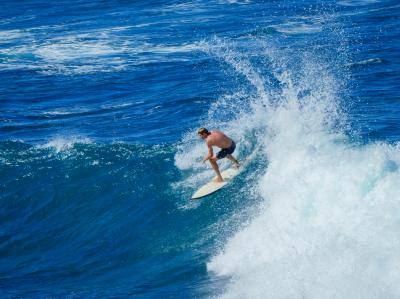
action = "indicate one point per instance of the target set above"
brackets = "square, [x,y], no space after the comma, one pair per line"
[327,226]
[239,113]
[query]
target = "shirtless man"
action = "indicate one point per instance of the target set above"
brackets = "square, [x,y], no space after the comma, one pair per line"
[219,139]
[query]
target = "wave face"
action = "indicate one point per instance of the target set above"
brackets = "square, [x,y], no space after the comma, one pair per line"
[100,104]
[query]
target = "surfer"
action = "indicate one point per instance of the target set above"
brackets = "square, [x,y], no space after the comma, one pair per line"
[219,139]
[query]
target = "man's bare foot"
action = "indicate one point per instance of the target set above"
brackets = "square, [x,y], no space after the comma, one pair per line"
[218,180]
[236,164]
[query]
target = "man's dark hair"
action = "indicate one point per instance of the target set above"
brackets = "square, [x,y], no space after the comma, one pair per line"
[202,131]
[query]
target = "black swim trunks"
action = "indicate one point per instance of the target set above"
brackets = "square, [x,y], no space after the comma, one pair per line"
[226,151]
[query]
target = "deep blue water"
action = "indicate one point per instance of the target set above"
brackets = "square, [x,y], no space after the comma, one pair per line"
[100,102]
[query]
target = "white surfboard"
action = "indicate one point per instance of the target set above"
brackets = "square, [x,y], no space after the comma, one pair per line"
[212,186]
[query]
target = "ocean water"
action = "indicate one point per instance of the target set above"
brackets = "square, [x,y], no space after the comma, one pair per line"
[100,102]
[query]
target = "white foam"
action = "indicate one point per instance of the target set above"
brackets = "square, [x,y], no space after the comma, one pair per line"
[62,143]
[328,225]
[148,47]
[72,48]
[66,111]
[16,19]
[297,28]
[357,2]
[329,221]
[301,25]
[369,61]
[189,6]
[234,1]
[104,50]
[11,35]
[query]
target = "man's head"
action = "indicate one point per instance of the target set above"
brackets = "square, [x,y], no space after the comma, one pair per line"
[203,133]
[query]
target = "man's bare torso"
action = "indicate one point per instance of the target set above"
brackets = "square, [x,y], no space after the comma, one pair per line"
[217,138]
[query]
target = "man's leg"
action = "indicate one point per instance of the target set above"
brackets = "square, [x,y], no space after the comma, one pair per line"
[214,164]
[233,159]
